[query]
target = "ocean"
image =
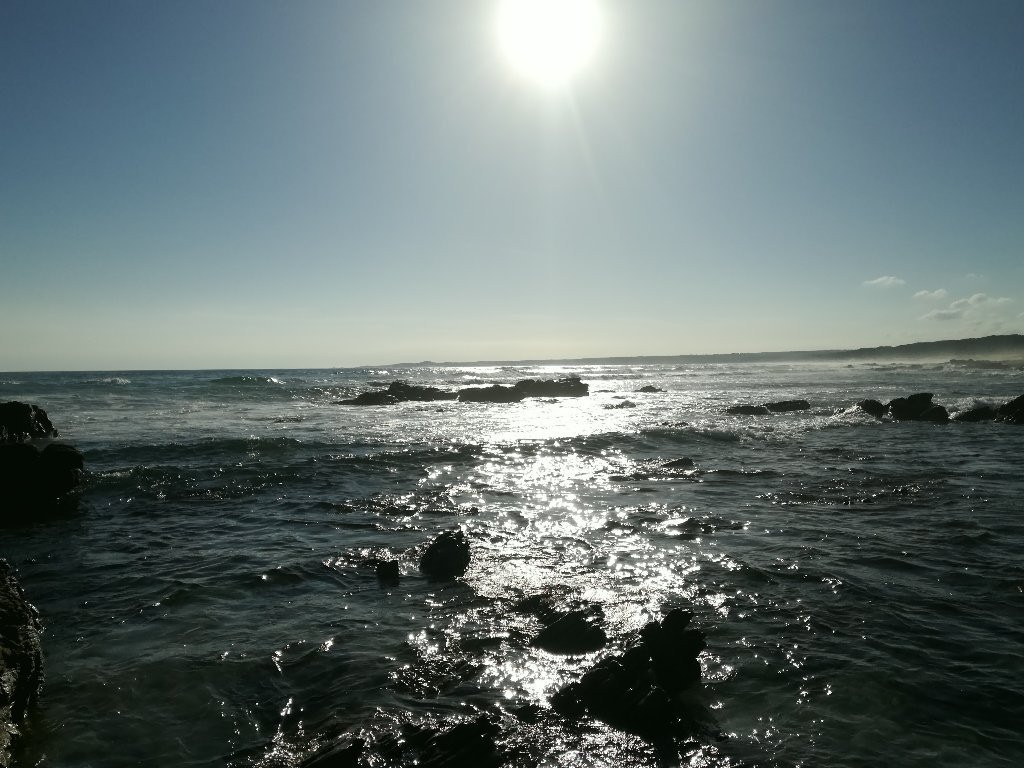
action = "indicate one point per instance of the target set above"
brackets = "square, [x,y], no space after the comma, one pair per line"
[208,603]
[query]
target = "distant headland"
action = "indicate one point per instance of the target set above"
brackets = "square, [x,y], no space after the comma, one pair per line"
[1007,348]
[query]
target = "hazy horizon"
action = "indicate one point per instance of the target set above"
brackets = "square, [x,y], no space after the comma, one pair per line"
[333,184]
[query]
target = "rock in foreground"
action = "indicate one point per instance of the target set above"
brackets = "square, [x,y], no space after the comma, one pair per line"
[21,660]
[447,556]
[22,421]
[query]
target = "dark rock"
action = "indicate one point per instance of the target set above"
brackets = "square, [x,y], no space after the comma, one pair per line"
[405,392]
[344,754]
[982,413]
[570,386]
[909,408]
[683,463]
[369,398]
[466,745]
[492,394]
[748,410]
[447,556]
[872,408]
[1012,412]
[573,633]
[936,414]
[631,691]
[21,659]
[22,421]
[786,406]
[623,404]
[650,389]
[387,571]
[31,478]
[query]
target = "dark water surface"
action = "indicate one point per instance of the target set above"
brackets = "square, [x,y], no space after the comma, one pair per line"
[861,584]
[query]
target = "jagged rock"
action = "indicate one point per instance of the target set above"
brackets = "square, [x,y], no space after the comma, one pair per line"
[631,691]
[1012,412]
[447,556]
[935,413]
[872,408]
[909,408]
[650,389]
[369,398]
[492,394]
[21,659]
[405,392]
[22,421]
[573,633]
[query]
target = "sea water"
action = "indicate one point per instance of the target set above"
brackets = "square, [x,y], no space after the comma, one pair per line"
[208,602]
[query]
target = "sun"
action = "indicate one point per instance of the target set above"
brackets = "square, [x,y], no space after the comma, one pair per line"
[548,41]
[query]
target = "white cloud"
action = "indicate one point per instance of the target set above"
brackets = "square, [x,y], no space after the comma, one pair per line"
[939,293]
[885,281]
[944,314]
[979,309]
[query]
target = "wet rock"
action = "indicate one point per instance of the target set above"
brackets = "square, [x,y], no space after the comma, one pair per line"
[447,556]
[22,421]
[981,413]
[748,410]
[572,634]
[405,392]
[936,414]
[787,406]
[683,463]
[569,386]
[492,394]
[387,571]
[872,408]
[909,408]
[369,398]
[344,754]
[466,745]
[32,481]
[623,404]
[649,389]
[633,691]
[1012,412]
[21,660]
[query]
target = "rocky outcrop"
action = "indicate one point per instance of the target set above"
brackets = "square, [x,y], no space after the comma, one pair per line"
[917,407]
[492,394]
[35,471]
[973,415]
[782,406]
[650,389]
[22,421]
[447,556]
[634,691]
[21,660]
[572,633]
[400,392]
[1012,412]
[872,408]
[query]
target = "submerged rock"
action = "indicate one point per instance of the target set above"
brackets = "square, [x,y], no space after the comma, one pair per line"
[447,556]
[787,406]
[683,463]
[21,659]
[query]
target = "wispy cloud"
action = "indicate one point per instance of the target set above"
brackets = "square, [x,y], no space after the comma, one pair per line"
[979,308]
[885,281]
[944,314]
[938,293]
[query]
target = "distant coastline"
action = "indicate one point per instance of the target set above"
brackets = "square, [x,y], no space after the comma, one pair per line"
[1009,347]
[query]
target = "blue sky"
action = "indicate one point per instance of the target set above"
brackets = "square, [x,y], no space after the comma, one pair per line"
[269,184]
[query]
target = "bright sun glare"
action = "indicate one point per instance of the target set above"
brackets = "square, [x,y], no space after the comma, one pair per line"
[548,41]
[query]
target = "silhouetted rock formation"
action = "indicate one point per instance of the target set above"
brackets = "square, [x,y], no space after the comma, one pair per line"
[917,407]
[573,633]
[1012,412]
[34,472]
[492,394]
[447,556]
[872,408]
[22,421]
[21,659]
[981,413]
[400,392]
[570,386]
[633,691]
[650,389]
[783,406]
[683,463]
